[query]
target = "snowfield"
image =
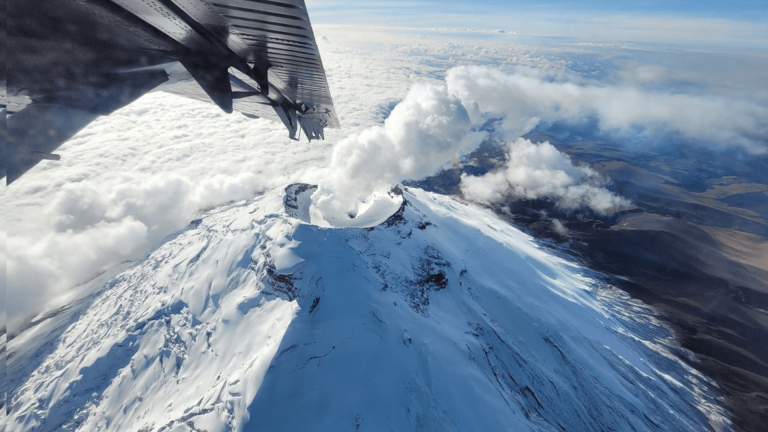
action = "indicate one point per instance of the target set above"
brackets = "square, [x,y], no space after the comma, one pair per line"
[440,318]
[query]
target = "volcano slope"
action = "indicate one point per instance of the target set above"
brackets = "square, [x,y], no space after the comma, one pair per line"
[443,317]
[693,245]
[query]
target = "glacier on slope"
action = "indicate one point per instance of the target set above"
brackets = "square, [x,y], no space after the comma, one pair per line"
[441,318]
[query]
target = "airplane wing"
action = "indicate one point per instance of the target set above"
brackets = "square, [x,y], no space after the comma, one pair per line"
[71,61]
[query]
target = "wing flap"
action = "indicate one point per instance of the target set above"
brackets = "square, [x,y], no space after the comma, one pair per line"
[257,57]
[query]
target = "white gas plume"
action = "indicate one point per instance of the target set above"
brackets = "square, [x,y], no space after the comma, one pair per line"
[433,127]
[430,129]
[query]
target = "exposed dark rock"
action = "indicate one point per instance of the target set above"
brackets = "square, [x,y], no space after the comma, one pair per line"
[397,218]
[315,302]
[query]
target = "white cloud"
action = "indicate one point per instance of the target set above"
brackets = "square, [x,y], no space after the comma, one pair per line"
[541,171]
[59,261]
[526,98]
[559,227]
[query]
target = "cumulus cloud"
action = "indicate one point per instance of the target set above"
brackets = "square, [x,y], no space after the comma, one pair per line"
[96,226]
[526,98]
[541,171]
[40,272]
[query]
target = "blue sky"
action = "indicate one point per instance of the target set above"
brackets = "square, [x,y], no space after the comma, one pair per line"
[750,10]
[730,23]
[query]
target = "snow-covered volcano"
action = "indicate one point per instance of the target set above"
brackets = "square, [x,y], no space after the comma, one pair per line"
[441,318]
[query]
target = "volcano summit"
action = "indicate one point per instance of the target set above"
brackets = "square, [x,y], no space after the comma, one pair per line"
[441,317]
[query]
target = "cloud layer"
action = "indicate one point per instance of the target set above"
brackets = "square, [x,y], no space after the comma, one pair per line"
[528,97]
